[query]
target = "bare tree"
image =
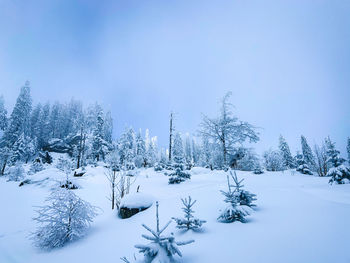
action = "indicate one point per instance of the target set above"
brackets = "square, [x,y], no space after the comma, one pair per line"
[227,130]
[119,184]
[321,160]
[111,176]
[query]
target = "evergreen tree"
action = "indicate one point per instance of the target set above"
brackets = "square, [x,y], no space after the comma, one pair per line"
[97,144]
[188,153]
[20,117]
[302,165]
[178,162]
[162,248]
[287,156]
[348,150]
[338,172]
[243,197]
[234,211]
[333,158]
[189,221]
[126,148]
[23,149]
[141,158]
[307,153]
[3,114]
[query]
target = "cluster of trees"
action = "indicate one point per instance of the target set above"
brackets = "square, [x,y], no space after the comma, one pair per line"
[320,160]
[85,134]
[32,131]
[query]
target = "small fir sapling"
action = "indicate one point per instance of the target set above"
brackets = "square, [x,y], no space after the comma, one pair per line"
[189,221]
[244,197]
[162,248]
[239,205]
[65,218]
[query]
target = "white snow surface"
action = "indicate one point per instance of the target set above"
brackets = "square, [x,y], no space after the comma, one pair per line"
[137,200]
[299,218]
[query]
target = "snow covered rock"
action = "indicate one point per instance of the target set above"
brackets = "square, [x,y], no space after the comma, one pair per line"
[132,204]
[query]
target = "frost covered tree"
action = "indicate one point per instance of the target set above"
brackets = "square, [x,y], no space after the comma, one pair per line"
[3,114]
[162,248]
[302,164]
[16,173]
[65,218]
[249,161]
[234,210]
[243,197]
[338,172]
[23,149]
[189,221]
[178,162]
[227,130]
[273,160]
[188,153]
[287,156]
[98,141]
[308,156]
[333,155]
[321,160]
[19,122]
[141,158]
[126,147]
[348,150]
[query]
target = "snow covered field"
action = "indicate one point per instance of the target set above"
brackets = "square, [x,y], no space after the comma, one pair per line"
[298,218]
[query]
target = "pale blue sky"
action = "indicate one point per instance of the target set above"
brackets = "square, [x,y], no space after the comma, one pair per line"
[287,63]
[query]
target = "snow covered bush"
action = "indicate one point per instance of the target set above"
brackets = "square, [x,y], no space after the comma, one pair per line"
[16,173]
[36,166]
[248,162]
[239,202]
[258,170]
[65,218]
[162,248]
[274,161]
[189,221]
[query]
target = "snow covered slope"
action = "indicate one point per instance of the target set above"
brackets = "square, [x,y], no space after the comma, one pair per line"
[298,219]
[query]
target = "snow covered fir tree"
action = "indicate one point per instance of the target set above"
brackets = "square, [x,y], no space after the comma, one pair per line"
[189,221]
[178,162]
[162,248]
[240,202]
[338,172]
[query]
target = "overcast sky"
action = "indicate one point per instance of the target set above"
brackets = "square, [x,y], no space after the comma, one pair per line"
[287,63]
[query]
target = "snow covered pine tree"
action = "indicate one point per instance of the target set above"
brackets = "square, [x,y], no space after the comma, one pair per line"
[189,222]
[338,172]
[302,165]
[162,248]
[66,218]
[239,200]
[178,157]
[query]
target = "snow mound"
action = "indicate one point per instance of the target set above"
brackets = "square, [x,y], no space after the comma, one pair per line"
[137,200]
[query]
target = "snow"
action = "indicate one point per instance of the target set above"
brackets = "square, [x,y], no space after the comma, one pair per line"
[299,218]
[137,200]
